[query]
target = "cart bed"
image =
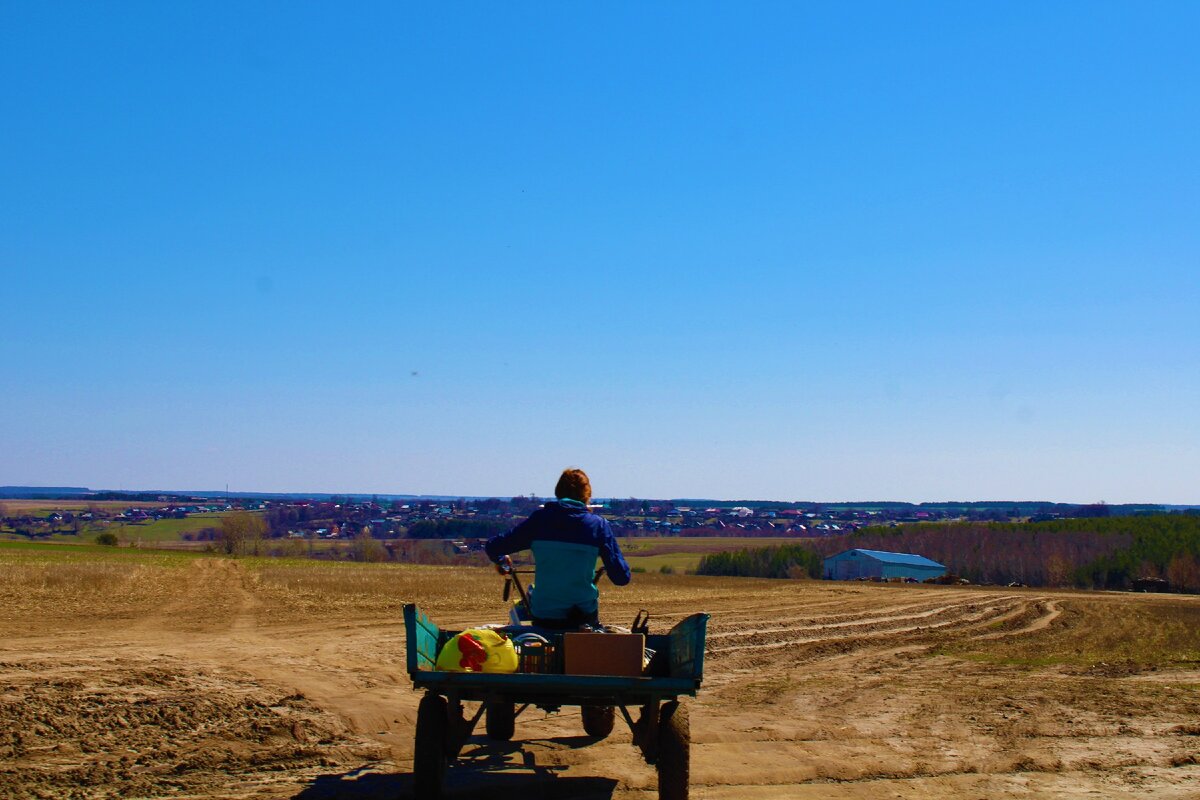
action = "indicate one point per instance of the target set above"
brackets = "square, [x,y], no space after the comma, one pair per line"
[677,669]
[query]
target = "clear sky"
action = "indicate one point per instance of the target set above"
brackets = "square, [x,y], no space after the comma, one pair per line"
[905,251]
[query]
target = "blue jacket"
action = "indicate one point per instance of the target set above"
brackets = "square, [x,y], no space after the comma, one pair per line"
[566,540]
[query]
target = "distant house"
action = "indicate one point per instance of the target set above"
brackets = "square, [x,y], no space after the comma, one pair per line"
[854,564]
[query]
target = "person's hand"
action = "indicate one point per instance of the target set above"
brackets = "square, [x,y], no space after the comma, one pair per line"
[504,565]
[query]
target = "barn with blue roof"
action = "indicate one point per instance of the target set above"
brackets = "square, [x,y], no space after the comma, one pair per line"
[854,564]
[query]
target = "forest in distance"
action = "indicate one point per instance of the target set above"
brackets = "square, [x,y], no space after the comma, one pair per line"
[1086,553]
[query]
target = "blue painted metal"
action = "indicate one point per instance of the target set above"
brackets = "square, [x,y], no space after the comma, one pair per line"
[861,563]
[685,652]
[898,558]
[424,639]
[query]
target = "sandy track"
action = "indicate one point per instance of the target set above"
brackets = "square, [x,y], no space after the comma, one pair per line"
[230,685]
[1048,611]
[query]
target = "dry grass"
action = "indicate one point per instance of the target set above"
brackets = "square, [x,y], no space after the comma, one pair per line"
[43,507]
[451,595]
[82,587]
[306,588]
[666,545]
[1129,634]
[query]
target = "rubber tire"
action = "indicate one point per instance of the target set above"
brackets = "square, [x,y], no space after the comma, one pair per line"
[501,720]
[674,752]
[598,720]
[429,751]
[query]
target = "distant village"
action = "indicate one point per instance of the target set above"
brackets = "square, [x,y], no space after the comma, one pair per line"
[478,518]
[1138,547]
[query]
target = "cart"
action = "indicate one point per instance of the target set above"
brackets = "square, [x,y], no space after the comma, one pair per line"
[661,730]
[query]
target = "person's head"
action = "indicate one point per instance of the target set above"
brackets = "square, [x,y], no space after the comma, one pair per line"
[574,485]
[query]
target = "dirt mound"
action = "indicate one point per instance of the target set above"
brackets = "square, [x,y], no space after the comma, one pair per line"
[123,727]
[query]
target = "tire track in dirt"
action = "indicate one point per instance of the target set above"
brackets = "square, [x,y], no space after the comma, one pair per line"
[848,620]
[844,599]
[724,624]
[804,610]
[765,610]
[1048,611]
[216,596]
[872,629]
[871,718]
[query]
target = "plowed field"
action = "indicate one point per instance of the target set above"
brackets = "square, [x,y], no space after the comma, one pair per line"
[139,675]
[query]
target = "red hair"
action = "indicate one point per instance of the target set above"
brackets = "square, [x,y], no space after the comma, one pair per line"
[574,484]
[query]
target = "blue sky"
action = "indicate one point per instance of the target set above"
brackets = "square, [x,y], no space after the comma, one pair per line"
[855,251]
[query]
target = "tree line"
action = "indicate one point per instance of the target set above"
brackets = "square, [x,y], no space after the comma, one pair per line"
[1088,553]
[779,561]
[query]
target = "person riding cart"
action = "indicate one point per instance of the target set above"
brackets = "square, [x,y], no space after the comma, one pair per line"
[566,540]
[566,658]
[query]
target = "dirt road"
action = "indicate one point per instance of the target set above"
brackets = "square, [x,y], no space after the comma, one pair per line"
[207,677]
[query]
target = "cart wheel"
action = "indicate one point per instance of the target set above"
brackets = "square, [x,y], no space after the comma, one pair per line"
[598,720]
[674,752]
[501,719]
[429,751]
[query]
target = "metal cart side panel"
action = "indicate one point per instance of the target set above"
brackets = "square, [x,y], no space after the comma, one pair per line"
[685,667]
[423,638]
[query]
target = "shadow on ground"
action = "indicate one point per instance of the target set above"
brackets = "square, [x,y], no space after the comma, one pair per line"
[484,769]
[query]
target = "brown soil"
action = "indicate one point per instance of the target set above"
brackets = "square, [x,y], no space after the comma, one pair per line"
[16,507]
[206,677]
